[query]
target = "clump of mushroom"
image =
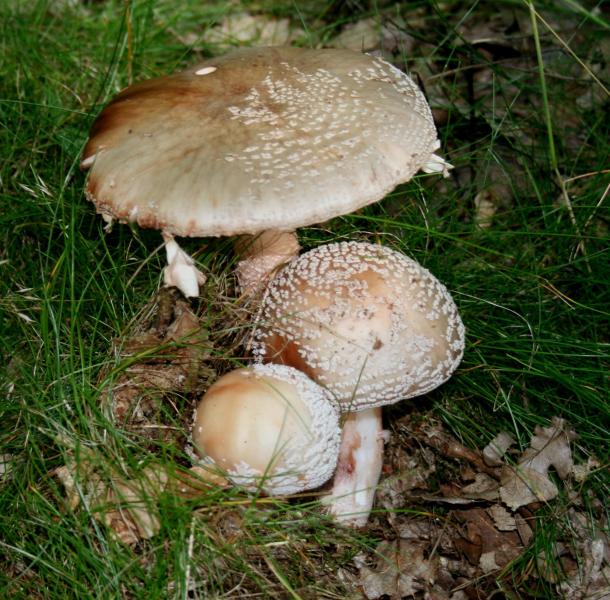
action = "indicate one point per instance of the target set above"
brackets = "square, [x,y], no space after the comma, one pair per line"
[373,327]
[268,428]
[260,139]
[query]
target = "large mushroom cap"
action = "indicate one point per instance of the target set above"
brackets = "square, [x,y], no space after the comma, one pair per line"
[365,321]
[266,138]
[269,426]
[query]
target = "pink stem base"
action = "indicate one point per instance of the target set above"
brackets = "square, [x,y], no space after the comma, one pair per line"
[261,256]
[358,469]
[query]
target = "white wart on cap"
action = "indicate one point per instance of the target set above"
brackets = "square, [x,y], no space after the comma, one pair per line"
[366,322]
[269,427]
[260,138]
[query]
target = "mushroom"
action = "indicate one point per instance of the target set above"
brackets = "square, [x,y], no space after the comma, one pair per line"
[373,327]
[258,140]
[268,427]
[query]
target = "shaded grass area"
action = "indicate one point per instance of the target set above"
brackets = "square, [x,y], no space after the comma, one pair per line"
[532,286]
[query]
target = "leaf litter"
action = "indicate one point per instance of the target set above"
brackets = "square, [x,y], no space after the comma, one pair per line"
[460,517]
[157,367]
[163,367]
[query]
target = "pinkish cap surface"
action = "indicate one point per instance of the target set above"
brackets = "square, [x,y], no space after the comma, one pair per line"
[368,323]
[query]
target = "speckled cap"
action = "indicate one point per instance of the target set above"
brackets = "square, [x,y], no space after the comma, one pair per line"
[260,138]
[366,322]
[269,427]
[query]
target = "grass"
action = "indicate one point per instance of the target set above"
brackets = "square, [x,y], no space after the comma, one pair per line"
[532,287]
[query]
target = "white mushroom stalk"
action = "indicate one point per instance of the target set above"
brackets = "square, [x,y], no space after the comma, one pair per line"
[373,327]
[269,428]
[181,271]
[358,468]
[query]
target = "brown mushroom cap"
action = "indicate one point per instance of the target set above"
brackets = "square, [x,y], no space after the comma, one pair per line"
[269,426]
[368,323]
[264,138]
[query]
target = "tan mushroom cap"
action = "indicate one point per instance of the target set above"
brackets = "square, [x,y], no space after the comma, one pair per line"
[265,138]
[366,322]
[269,426]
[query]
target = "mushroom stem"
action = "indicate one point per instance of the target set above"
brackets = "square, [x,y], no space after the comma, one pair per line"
[181,271]
[261,255]
[358,469]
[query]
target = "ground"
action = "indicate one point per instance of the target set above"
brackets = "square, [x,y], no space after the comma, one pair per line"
[99,503]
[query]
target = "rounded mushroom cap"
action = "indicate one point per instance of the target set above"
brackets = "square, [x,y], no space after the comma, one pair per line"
[269,427]
[260,138]
[366,322]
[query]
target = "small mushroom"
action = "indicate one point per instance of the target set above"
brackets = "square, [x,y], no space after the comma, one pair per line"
[269,427]
[373,327]
[258,140]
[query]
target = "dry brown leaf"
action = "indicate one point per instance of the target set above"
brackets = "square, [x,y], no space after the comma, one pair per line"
[591,579]
[503,520]
[522,486]
[400,571]
[194,482]
[409,472]
[7,464]
[127,507]
[167,359]
[494,452]
[244,28]
[553,563]
[80,481]
[435,436]
[388,36]
[487,562]
[481,537]
[483,488]
[485,208]
[360,36]
[525,531]
[582,471]
[550,446]
[528,481]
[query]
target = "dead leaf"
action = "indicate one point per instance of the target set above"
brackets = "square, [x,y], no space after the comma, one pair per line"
[528,481]
[129,507]
[483,488]
[487,562]
[591,581]
[7,464]
[400,571]
[194,482]
[525,531]
[485,208]
[360,36]
[374,33]
[553,563]
[481,537]
[503,520]
[582,471]
[245,28]
[590,578]
[494,452]
[435,436]
[410,471]
[522,486]
[80,481]
[168,358]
